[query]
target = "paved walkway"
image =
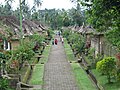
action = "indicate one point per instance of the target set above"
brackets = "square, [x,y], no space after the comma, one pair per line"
[58,74]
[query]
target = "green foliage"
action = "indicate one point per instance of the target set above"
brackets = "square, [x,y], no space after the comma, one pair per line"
[104,16]
[59,18]
[45,54]
[81,77]
[37,3]
[102,80]
[4,84]
[35,16]
[50,33]
[36,38]
[66,33]
[74,37]
[24,52]
[107,66]
[6,9]
[90,55]
[77,17]
[76,40]
[37,76]
[66,21]
[113,37]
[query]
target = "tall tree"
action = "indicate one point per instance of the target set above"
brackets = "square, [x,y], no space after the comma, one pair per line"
[77,14]
[104,16]
[25,10]
[20,5]
[6,9]
[38,3]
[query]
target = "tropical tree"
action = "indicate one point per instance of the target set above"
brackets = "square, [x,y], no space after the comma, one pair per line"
[38,3]
[77,17]
[77,13]
[6,9]
[26,10]
[66,20]
[24,53]
[104,17]
[35,16]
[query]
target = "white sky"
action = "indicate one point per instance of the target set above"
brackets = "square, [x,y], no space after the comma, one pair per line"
[49,4]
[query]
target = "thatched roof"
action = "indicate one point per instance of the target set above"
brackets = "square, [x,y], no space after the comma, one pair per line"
[88,30]
[40,25]
[33,27]
[29,27]
[12,22]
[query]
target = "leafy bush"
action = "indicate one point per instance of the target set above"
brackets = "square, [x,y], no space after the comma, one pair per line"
[36,38]
[107,66]
[4,84]
[66,33]
[50,33]
[24,52]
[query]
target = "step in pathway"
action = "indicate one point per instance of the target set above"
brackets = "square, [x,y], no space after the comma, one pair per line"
[58,73]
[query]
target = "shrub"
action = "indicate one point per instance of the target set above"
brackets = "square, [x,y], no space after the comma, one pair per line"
[107,66]
[4,84]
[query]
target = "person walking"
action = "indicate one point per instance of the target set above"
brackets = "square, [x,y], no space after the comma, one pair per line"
[56,41]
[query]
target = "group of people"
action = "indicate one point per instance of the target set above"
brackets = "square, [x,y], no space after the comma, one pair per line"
[55,41]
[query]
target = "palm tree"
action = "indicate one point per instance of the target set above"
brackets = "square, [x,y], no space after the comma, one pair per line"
[9,1]
[38,3]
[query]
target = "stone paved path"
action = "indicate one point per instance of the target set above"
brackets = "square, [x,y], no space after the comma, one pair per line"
[58,74]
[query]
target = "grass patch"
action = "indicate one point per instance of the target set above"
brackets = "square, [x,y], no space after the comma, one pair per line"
[37,76]
[103,81]
[81,77]
[45,54]
[68,51]
[38,71]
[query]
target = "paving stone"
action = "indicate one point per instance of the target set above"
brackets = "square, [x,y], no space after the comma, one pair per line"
[58,73]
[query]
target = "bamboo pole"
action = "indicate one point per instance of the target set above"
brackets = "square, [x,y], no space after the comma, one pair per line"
[21,33]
